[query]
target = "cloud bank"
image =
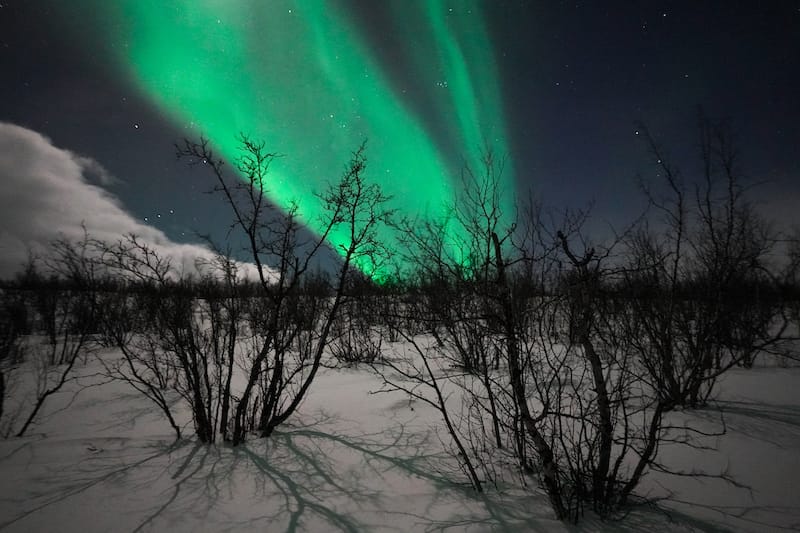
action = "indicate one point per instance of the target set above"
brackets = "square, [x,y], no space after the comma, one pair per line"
[45,194]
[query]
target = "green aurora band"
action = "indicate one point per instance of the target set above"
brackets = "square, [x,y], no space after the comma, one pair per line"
[301,76]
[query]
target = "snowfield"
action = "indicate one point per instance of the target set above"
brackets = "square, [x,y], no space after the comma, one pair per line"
[102,458]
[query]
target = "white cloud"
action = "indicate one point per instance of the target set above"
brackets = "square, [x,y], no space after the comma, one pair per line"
[46,193]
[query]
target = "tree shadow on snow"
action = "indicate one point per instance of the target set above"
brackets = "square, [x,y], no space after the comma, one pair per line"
[311,476]
[306,477]
[772,423]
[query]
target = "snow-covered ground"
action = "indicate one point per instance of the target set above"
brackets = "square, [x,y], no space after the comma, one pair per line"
[759,409]
[105,460]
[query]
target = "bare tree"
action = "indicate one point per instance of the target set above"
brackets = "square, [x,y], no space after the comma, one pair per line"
[540,356]
[67,307]
[356,208]
[703,297]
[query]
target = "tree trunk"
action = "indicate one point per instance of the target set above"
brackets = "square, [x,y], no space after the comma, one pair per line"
[547,459]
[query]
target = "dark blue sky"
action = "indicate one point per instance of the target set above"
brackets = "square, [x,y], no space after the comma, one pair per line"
[579,75]
[576,77]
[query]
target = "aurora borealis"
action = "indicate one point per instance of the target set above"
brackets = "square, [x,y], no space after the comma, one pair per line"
[557,87]
[302,77]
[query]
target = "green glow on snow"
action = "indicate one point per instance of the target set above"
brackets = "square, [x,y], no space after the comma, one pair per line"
[299,76]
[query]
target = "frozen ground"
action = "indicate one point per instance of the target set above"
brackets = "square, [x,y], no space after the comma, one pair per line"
[104,460]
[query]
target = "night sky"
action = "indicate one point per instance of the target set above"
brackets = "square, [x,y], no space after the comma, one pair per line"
[98,92]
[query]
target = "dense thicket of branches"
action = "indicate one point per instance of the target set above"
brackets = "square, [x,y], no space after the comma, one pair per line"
[569,356]
[531,342]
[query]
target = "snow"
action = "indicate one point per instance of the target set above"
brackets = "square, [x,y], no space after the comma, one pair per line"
[352,460]
[760,450]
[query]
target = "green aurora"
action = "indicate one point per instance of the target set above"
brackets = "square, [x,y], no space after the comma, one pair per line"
[303,77]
